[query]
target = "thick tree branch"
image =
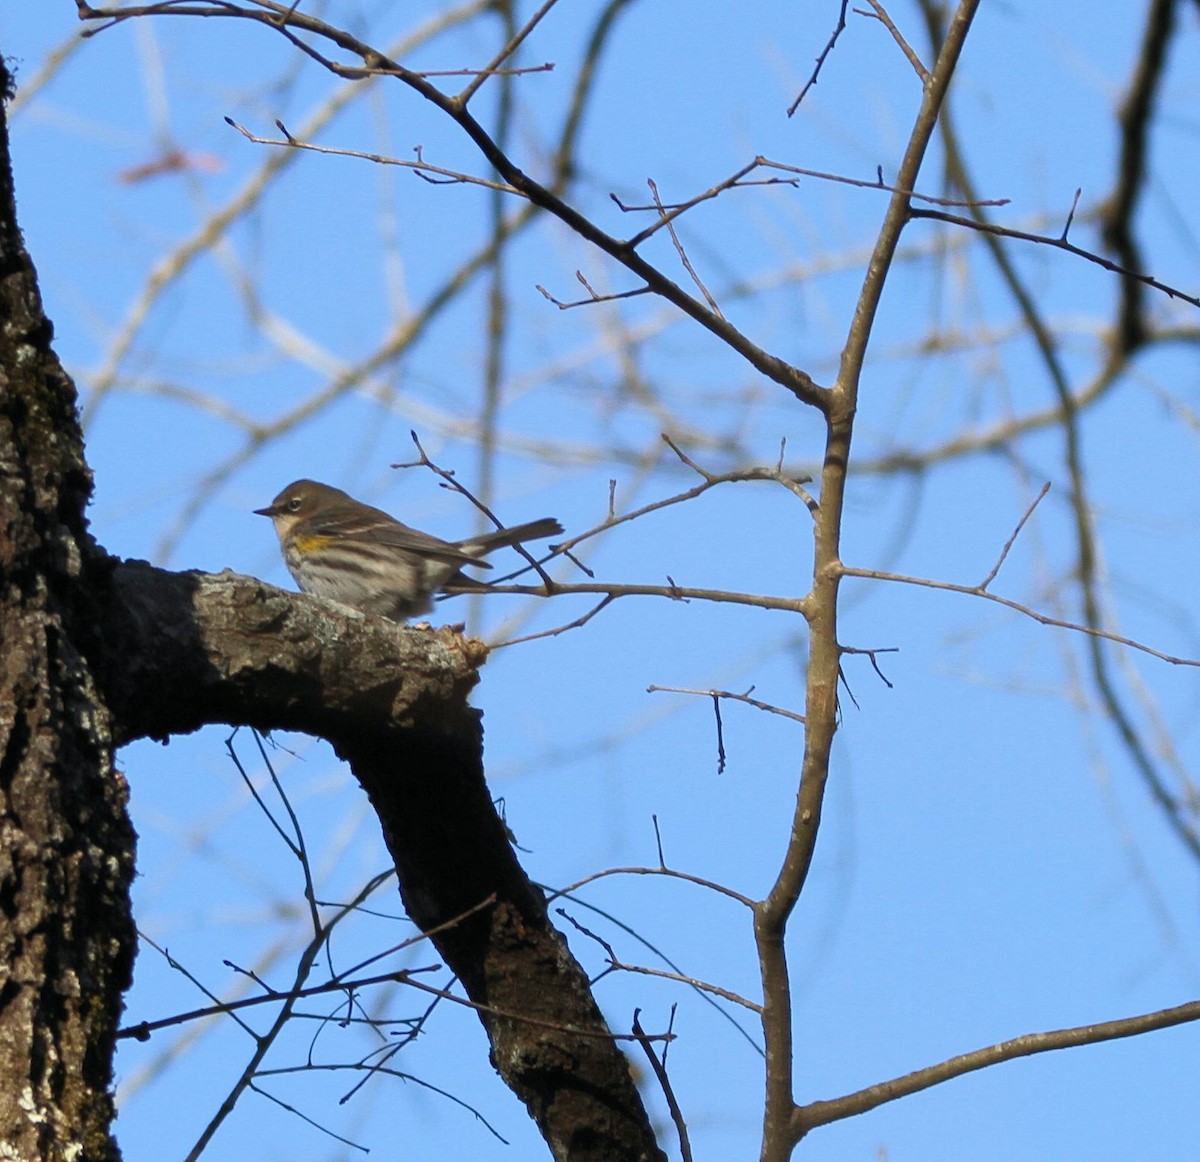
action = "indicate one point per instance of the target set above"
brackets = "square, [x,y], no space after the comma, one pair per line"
[822,606]
[184,649]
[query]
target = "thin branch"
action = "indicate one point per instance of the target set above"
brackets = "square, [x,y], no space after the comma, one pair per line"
[143,1030]
[218,1004]
[263,1042]
[670,873]
[421,166]
[683,258]
[1012,540]
[720,735]
[666,213]
[1071,213]
[658,843]
[672,591]
[374,63]
[525,1019]
[660,1072]
[1132,171]
[389,1072]
[217,225]
[452,482]
[544,67]
[578,623]
[593,296]
[291,1109]
[837,31]
[791,481]
[740,180]
[692,982]
[767,706]
[881,14]
[498,301]
[1139,752]
[493,67]
[615,964]
[343,982]
[721,1012]
[1059,244]
[819,1113]
[872,654]
[1017,607]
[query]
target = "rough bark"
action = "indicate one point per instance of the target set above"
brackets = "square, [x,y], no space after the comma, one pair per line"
[186,649]
[66,846]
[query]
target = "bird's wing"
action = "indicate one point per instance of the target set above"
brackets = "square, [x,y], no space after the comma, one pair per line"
[377,526]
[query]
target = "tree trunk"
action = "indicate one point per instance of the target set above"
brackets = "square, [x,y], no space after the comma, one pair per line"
[66,845]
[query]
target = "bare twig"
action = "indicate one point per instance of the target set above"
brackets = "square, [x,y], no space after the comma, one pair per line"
[1071,213]
[217,225]
[291,1109]
[837,31]
[720,735]
[873,655]
[793,481]
[372,1070]
[454,484]
[1059,244]
[514,42]
[683,258]
[672,591]
[881,14]
[617,965]
[692,982]
[577,623]
[593,296]
[143,1030]
[711,1001]
[660,1072]
[421,166]
[670,873]
[662,863]
[1017,607]
[1012,540]
[290,24]
[733,697]
[740,180]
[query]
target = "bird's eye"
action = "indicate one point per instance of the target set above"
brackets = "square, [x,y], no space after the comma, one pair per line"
[294,504]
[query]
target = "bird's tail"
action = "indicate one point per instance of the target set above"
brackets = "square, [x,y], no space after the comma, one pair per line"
[534,530]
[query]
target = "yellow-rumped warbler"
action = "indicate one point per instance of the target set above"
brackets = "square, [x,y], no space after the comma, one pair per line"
[338,548]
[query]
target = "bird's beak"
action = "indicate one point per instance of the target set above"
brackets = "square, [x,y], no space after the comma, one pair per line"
[270,510]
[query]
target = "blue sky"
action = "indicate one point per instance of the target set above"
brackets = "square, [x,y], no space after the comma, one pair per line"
[990,864]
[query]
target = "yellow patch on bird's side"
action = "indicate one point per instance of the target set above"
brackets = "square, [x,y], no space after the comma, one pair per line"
[307,543]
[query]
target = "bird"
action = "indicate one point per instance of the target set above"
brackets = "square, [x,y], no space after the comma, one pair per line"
[342,550]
